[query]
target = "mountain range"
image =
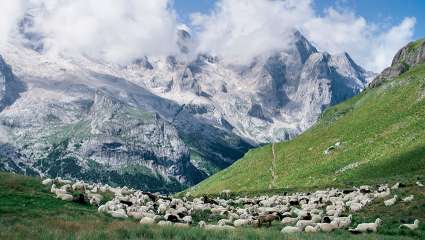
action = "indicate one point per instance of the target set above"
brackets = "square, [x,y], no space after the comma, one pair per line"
[159,123]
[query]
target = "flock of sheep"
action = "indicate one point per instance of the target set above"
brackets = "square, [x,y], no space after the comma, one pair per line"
[320,211]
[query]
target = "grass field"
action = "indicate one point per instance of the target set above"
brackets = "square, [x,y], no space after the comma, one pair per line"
[29,211]
[382,136]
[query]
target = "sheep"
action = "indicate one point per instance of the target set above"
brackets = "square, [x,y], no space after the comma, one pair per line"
[223,222]
[304,223]
[289,220]
[241,222]
[290,229]
[269,218]
[344,222]
[47,181]
[226,193]
[395,186]
[120,213]
[408,199]
[147,221]
[327,227]
[164,223]
[66,187]
[419,184]
[413,226]
[391,201]
[355,207]
[202,224]
[96,199]
[187,219]
[367,227]
[65,197]
[310,229]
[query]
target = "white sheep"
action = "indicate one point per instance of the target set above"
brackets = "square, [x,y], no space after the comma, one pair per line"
[223,222]
[202,224]
[413,226]
[391,201]
[419,184]
[187,219]
[355,207]
[344,222]
[147,221]
[395,186]
[408,199]
[301,224]
[241,222]
[64,196]
[164,223]
[96,199]
[368,227]
[120,213]
[291,229]
[311,229]
[327,227]
[289,220]
[47,181]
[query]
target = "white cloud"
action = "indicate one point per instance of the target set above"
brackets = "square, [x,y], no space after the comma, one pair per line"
[371,45]
[240,30]
[11,12]
[111,30]
[235,30]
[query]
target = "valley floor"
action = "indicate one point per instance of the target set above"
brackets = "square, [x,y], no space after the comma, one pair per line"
[29,211]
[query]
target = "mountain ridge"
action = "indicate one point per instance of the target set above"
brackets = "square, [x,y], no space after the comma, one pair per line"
[212,113]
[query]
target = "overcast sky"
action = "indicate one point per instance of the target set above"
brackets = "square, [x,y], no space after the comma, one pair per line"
[235,30]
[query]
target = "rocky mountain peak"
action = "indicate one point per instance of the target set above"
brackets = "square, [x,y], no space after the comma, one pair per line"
[409,56]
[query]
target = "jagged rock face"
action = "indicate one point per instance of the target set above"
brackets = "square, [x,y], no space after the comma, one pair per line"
[160,124]
[10,88]
[407,57]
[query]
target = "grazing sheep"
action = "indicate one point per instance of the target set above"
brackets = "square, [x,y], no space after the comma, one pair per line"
[96,199]
[391,201]
[241,222]
[419,184]
[289,220]
[327,227]
[202,224]
[223,222]
[344,222]
[120,213]
[413,226]
[187,219]
[301,224]
[310,229]
[47,181]
[367,227]
[291,229]
[78,186]
[396,186]
[164,223]
[65,197]
[269,218]
[147,221]
[355,207]
[408,199]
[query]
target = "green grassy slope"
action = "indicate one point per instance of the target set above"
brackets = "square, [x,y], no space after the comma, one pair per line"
[29,211]
[382,135]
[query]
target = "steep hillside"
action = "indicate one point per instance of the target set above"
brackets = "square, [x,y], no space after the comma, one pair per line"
[375,136]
